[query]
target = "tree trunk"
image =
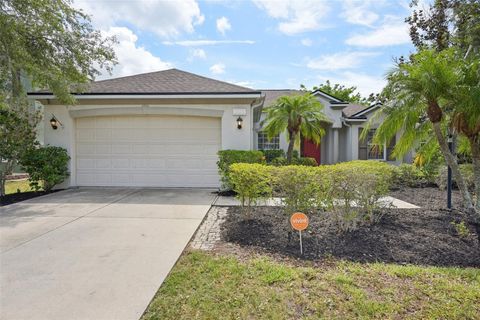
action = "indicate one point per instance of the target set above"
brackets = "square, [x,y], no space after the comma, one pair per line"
[7,169]
[291,144]
[452,162]
[475,146]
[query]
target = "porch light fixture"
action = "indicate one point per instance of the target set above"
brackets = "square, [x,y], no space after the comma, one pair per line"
[54,122]
[239,123]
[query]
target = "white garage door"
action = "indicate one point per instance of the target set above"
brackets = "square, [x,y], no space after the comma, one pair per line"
[147,151]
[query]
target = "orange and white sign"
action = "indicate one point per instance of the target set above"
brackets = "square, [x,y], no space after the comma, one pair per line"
[299,221]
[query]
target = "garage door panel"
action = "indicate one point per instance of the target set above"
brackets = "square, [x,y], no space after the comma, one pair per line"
[157,151]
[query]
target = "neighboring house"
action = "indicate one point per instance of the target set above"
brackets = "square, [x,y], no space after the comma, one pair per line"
[164,129]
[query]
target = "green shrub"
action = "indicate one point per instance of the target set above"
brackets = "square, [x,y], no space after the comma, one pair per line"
[466,169]
[47,165]
[305,161]
[409,175]
[229,157]
[272,154]
[355,189]
[299,187]
[278,162]
[251,182]
[282,161]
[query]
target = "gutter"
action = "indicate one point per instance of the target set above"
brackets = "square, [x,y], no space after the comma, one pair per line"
[40,96]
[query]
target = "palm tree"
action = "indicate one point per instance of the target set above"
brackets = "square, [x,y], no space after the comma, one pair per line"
[299,115]
[419,95]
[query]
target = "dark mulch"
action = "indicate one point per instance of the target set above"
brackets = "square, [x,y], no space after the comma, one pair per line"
[416,236]
[22,196]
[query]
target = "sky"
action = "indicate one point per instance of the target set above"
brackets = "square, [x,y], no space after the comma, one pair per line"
[261,44]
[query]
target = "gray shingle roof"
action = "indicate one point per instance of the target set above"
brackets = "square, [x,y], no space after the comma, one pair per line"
[172,81]
[352,109]
[272,95]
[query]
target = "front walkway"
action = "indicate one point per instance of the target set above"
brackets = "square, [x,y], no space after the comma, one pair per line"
[388,201]
[97,253]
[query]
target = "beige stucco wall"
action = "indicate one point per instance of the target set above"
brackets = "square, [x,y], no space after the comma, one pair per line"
[64,136]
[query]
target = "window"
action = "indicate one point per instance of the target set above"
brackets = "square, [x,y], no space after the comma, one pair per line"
[375,152]
[265,144]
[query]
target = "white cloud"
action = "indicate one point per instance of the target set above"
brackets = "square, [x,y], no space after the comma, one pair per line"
[218,68]
[165,18]
[365,83]
[223,25]
[393,31]
[296,16]
[307,42]
[198,43]
[340,60]
[132,59]
[247,84]
[198,53]
[360,11]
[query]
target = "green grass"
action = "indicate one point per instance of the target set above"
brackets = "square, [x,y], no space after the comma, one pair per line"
[12,186]
[204,286]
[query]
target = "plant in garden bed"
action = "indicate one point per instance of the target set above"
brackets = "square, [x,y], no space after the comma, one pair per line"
[228,157]
[47,166]
[350,192]
[251,182]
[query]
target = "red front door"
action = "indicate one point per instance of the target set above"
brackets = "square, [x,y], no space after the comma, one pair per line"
[311,150]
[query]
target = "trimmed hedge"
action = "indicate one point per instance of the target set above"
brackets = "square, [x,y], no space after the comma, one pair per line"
[228,157]
[272,154]
[282,161]
[349,191]
[251,182]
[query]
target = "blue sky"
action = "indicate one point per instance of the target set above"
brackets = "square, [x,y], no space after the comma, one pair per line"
[261,43]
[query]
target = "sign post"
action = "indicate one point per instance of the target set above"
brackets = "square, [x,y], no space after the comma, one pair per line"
[299,221]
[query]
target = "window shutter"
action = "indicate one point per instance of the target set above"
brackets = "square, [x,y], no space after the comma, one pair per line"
[362,146]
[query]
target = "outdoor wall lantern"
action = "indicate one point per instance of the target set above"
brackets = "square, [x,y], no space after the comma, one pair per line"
[239,123]
[54,122]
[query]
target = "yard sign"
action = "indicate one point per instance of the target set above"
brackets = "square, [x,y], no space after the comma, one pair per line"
[299,221]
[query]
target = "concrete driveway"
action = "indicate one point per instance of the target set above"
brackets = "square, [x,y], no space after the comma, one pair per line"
[93,253]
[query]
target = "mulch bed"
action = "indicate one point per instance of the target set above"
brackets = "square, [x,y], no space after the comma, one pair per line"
[22,196]
[423,236]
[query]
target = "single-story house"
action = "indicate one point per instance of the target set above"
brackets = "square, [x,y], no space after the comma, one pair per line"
[164,129]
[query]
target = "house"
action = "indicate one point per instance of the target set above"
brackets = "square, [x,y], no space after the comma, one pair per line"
[342,140]
[163,129]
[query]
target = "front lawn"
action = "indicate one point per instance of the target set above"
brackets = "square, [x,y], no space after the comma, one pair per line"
[207,286]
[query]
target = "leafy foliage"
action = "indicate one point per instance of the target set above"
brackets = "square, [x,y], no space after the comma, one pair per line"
[299,186]
[350,192]
[342,92]
[46,165]
[272,154]
[228,157]
[52,43]
[17,135]
[298,115]
[251,182]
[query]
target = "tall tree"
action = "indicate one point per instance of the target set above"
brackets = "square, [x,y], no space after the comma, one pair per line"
[298,115]
[50,45]
[419,95]
[342,92]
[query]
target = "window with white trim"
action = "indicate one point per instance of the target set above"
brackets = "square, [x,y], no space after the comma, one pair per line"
[265,144]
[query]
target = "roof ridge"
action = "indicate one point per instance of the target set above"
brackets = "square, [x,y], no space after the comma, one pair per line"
[210,79]
[134,75]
